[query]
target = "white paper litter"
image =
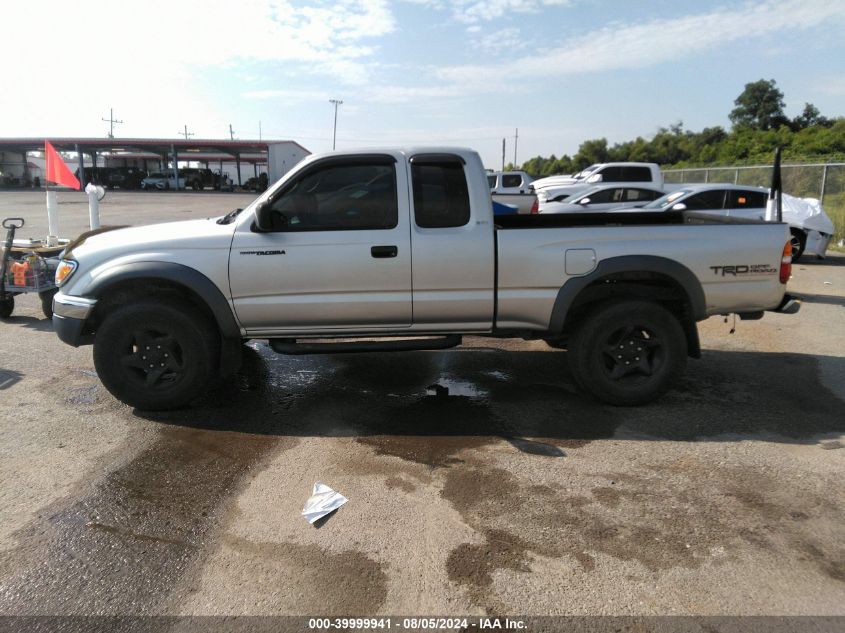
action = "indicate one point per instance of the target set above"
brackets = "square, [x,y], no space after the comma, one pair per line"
[322,501]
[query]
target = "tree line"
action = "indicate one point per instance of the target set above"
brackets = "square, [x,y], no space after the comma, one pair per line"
[759,125]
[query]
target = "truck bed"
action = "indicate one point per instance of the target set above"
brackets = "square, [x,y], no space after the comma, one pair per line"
[626,218]
[737,266]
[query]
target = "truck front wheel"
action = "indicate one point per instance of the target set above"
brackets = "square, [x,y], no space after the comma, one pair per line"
[156,355]
[628,352]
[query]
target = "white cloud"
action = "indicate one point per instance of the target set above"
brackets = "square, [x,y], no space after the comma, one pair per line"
[831,85]
[621,46]
[502,41]
[334,36]
[472,11]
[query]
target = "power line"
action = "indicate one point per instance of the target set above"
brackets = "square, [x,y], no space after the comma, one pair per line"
[186,134]
[111,120]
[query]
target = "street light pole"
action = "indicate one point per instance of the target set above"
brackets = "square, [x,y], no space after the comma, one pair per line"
[336,103]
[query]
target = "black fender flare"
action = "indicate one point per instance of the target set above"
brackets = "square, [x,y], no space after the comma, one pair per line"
[179,274]
[682,275]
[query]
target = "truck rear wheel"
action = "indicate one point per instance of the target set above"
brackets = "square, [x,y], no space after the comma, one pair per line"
[798,239]
[628,352]
[156,355]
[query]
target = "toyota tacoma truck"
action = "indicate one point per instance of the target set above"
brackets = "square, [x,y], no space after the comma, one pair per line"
[397,250]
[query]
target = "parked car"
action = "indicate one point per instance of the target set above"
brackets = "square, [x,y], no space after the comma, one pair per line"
[603,198]
[561,188]
[513,189]
[162,181]
[810,227]
[199,178]
[605,172]
[322,263]
[509,181]
[125,177]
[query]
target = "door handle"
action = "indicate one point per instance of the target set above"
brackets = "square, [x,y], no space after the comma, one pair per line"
[381,252]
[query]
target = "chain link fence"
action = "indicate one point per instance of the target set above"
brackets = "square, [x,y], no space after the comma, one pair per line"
[825,181]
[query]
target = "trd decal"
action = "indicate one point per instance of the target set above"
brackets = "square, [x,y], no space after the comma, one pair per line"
[744,269]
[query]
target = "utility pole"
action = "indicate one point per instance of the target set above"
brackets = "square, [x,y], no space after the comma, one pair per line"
[259,130]
[186,134]
[515,143]
[503,154]
[231,132]
[336,103]
[111,120]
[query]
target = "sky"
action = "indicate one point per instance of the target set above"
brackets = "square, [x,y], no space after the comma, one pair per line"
[410,72]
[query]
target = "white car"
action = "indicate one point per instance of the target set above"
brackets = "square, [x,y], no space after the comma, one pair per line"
[160,180]
[810,226]
[603,198]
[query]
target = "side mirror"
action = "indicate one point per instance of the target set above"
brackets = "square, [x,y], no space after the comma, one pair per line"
[584,201]
[263,220]
[679,207]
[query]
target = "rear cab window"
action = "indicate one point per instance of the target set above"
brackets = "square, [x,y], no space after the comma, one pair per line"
[440,191]
[511,181]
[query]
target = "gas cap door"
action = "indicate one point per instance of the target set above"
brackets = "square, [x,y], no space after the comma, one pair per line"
[580,261]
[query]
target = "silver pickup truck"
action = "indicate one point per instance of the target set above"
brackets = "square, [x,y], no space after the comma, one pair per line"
[399,250]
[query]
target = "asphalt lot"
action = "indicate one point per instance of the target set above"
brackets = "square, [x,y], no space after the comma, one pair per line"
[479,479]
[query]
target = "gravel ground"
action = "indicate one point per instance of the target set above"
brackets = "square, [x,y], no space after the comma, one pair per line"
[479,479]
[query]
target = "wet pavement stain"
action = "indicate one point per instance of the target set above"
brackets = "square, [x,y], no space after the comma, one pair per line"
[398,483]
[658,522]
[310,580]
[125,542]
[472,565]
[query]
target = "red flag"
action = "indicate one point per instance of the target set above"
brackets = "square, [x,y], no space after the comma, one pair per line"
[57,171]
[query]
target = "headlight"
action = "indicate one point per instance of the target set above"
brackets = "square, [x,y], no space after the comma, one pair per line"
[65,270]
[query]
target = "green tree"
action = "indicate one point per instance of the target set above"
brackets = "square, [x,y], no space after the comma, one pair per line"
[759,106]
[810,117]
[590,152]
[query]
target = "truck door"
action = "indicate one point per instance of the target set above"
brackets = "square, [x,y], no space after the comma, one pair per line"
[454,257]
[339,254]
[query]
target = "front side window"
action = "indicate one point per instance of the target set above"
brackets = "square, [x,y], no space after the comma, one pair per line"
[441,197]
[601,196]
[712,199]
[640,195]
[339,197]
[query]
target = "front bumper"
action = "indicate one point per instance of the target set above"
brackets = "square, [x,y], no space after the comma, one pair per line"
[69,316]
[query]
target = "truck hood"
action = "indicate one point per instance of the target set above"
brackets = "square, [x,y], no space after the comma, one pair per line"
[170,236]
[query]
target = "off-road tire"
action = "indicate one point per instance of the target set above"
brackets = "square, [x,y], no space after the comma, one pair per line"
[156,355]
[627,352]
[47,302]
[799,241]
[7,306]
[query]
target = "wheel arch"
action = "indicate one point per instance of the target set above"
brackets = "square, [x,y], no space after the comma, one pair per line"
[655,278]
[126,281]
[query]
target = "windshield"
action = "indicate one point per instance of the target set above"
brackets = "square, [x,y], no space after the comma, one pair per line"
[585,173]
[664,201]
